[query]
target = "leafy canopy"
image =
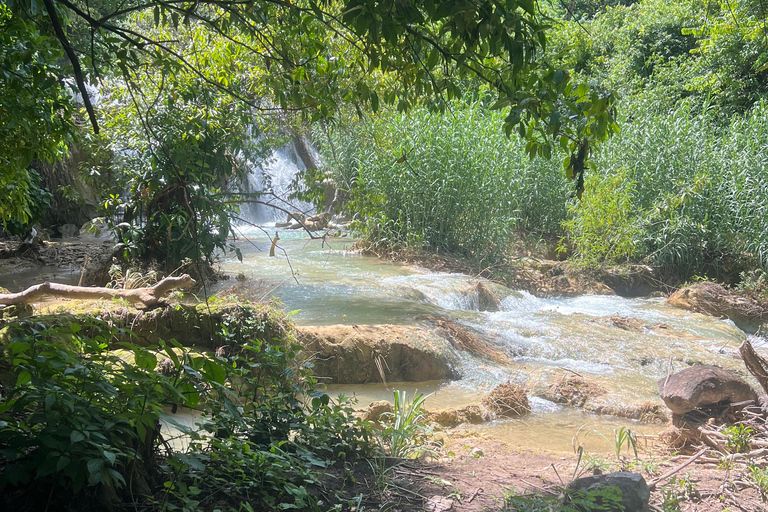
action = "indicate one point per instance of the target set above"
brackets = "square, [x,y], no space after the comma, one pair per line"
[307,57]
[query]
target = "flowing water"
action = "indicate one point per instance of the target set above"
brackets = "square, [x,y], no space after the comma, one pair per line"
[625,345]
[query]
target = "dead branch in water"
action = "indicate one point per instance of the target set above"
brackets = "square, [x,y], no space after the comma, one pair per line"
[150,297]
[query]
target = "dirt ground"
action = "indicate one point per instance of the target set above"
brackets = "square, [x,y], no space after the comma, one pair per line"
[475,474]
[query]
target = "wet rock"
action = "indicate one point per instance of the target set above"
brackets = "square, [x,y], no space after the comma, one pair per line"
[374,411]
[69,231]
[508,401]
[294,221]
[488,298]
[297,221]
[468,340]
[357,354]
[453,417]
[317,222]
[635,493]
[701,386]
[573,390]
[713,299]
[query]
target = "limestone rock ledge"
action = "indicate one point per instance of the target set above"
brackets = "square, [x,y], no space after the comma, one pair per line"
[359,354]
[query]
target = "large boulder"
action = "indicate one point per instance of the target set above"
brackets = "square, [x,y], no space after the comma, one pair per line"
[713,299]
[635,493]
[357,354]
[701,386]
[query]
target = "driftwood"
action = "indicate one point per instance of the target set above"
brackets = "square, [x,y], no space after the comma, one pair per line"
[755,364]
[653,483]
[150,296]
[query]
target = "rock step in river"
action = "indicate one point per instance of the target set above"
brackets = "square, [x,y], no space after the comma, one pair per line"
[458,337]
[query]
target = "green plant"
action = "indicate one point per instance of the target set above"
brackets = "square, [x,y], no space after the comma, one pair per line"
[82,421]
[78,415]
[677,491]
[738,437]
[607,499]
[597,465]
[760,478]
[404,432]
[622,437]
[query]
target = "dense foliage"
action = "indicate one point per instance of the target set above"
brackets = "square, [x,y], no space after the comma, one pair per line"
[462,186]
[80,421]
[35,112]
[309,59]
[681,188]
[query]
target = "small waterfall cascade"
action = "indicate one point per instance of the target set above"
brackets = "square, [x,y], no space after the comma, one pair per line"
[273,176]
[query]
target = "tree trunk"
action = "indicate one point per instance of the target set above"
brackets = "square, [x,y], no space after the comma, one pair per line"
[149,297]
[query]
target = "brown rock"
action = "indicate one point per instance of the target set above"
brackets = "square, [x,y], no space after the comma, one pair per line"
[713,299]
[357,354]
[453,417]
[704,385]
[374,411]
[508,401]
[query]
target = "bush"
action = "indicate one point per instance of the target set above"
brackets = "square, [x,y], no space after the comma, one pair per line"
[81,423]
[677,192]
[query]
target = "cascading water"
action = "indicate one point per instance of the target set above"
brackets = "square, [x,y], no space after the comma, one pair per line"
[624,345]
[273,177]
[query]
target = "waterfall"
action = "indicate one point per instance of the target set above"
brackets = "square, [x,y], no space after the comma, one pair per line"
[273,176]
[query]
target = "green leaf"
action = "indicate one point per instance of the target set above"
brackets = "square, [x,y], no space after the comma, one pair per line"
[94,470]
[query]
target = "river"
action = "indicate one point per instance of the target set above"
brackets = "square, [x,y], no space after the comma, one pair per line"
[623,344]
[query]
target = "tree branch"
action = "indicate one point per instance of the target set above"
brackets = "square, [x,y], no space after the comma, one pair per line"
[78,71]
[150,297]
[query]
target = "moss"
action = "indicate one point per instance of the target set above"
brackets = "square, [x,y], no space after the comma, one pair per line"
[191,325]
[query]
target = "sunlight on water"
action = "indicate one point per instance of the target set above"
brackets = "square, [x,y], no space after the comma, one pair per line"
[624,344]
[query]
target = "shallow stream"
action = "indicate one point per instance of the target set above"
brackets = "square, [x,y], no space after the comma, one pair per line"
[625,345]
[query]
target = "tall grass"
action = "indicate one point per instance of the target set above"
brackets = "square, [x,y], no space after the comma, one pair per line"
[462,186]
[679,189]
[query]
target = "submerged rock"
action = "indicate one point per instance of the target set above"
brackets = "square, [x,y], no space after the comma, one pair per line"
[490,296]
[573,391]
[466,339]
[701,386]
[635,493]
[508,401]
[455,416]
[358,354]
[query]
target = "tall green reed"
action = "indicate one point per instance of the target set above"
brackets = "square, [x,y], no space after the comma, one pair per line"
[454,183]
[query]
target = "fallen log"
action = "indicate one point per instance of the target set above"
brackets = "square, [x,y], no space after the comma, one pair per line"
[150,297]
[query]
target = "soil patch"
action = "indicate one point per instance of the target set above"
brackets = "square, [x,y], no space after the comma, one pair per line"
[475,474]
